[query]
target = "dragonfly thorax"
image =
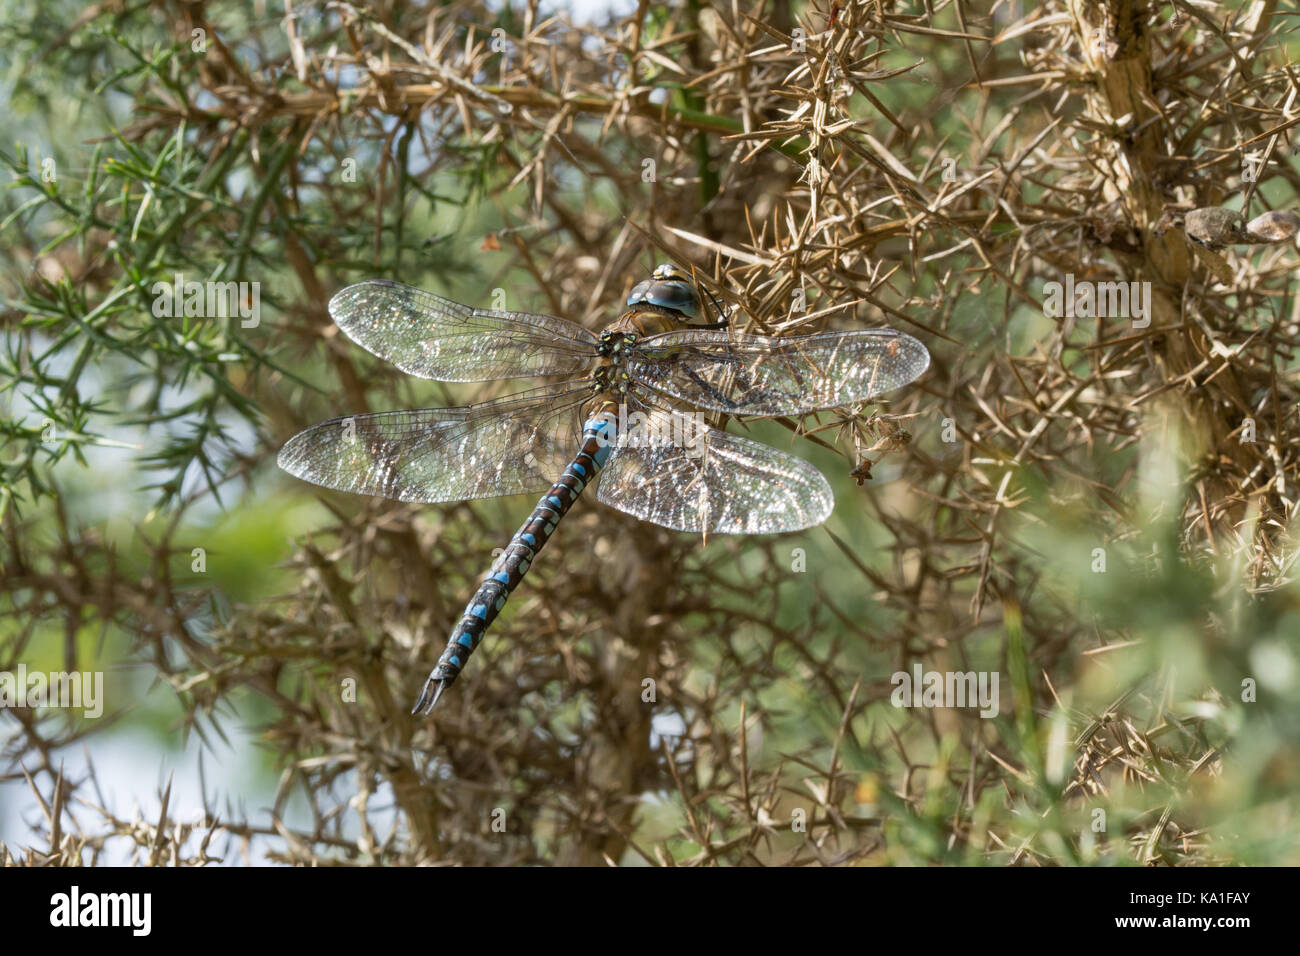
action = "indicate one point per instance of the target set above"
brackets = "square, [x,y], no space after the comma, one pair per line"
[611,378]
[613,343]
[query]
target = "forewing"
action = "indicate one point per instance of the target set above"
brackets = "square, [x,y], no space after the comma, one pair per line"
[431,337]
[508,446]
[717,483]
[764,375]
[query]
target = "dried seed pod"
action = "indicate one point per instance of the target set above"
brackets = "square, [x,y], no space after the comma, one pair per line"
[1213,226]
[1168,219]
[1276,226]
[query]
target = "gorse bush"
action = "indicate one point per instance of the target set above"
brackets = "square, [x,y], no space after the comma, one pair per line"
[1086,503]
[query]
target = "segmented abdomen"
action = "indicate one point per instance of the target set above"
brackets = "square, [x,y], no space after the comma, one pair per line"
[598,435]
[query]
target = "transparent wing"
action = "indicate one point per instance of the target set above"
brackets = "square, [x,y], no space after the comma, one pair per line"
[507,446]
[426,335]
[704,479]
[764,375]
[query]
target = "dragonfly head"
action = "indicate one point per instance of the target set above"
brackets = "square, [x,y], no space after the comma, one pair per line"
[668,288]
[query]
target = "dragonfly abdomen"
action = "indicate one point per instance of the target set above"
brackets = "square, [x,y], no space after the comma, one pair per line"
[598,437]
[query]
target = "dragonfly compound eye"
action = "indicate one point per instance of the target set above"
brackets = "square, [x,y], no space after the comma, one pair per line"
[679,295]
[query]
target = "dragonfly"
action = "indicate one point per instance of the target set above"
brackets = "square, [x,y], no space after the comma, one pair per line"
[626,408]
